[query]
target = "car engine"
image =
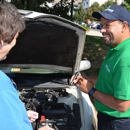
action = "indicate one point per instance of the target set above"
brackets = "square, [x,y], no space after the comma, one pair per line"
[56,107]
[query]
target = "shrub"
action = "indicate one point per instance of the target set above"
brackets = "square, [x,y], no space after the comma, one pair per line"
[86,27]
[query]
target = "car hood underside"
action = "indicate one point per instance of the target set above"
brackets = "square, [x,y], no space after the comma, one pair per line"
[47,42]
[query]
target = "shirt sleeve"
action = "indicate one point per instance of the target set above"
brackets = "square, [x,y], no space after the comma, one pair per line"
[13,113]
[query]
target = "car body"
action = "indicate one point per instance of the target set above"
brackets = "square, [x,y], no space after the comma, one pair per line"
[48,52]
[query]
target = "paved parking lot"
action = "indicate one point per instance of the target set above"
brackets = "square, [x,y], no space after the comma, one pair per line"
[94,32]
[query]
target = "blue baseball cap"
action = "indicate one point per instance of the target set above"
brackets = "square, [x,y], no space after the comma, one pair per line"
[114,12]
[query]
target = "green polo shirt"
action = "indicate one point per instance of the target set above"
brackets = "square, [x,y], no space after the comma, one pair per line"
[114,78]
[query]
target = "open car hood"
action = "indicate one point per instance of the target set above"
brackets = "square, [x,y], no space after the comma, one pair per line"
[51,43]
[48,42]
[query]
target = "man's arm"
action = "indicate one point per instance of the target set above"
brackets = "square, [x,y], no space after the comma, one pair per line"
[86,84]
[110,101]
[92,79]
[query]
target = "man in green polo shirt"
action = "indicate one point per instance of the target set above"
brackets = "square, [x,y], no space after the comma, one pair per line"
[112,87]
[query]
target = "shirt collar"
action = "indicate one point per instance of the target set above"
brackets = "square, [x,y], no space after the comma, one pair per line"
[122,45]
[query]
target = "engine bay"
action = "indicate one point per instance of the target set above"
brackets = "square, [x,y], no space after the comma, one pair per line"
[58,108]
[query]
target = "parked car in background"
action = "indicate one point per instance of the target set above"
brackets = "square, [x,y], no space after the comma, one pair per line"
[96,26]
[99,27]
[91,24]
[48,52]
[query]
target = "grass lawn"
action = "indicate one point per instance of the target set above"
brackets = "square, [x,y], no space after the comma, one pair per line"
[95,51]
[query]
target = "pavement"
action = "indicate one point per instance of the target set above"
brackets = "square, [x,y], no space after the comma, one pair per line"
[94,32]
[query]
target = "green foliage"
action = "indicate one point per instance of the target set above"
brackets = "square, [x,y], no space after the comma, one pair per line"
[126,4]
[96,7]
[106,5]
[79,15]
[85,27]
[28,4]
[127,1]
[2,0]
[61,8]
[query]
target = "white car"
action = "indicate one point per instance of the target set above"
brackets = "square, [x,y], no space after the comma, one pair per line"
[95,25]
[48,52]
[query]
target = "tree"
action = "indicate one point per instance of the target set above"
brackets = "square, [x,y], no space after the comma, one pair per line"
[61,8]
[29,4]
[126,4]
[94,7]
[107,4]
[127,1]
[79,15]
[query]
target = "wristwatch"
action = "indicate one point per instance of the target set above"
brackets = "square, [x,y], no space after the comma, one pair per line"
[91,92]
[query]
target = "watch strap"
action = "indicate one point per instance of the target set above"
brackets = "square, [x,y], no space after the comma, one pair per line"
[91,92]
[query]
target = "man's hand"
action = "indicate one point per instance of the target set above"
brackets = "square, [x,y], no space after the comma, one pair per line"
[85,84]
[32,115]
[46,128]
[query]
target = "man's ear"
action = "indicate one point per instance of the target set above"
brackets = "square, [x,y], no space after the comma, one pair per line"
[125,24]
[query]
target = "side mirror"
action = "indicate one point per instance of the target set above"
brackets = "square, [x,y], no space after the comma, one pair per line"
[84,65]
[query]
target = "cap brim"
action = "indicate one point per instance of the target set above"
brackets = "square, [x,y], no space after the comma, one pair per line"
[98,15]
